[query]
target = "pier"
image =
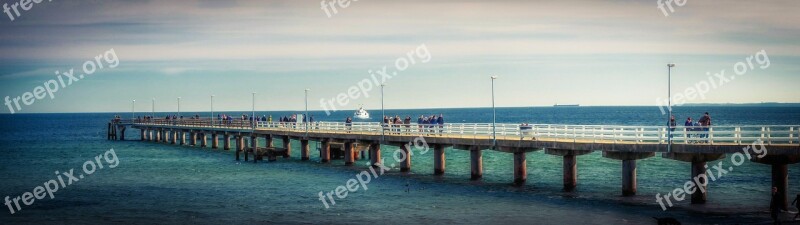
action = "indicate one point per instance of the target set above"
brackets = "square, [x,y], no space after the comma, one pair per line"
[352,141]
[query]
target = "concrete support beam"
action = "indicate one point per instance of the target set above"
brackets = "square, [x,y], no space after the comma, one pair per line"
[325,152]
[239,146]
[173,136]
[570,172]
[141,134]
[629,177]
[192,138]
[375,154]
[182,137]
[203,140]
[253,148]
[287,144]
[305,150]
[699,168]
[349,154]
[520,168]
[438,160]
[570,164]
[405,165]
[158,135]
[780,180]
[780,173]
[226,141]
[476,163]
[214,140]
[269,141]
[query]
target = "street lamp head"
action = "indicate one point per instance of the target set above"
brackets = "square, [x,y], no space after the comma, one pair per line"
[671,65]
[494,77]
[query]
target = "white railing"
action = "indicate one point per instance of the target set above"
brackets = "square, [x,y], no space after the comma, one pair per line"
[771,135]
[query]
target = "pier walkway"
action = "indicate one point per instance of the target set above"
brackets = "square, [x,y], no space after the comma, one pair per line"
[777,146]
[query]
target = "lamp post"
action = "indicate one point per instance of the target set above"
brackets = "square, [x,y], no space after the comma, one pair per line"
[307,116]
[154,109]
[253,116]
[383,115]
[212,110]
[494,117]
[133,110]
[669,102]
[179,107]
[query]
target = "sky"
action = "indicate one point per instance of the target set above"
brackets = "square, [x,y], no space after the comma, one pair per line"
[601,52]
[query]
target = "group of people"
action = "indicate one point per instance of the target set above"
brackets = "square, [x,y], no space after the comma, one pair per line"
[697,129]
[399,125]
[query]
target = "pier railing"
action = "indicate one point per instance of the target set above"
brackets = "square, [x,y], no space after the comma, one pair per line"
[696,135]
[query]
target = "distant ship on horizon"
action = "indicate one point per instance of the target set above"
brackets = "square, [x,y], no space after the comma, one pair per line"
[566,105]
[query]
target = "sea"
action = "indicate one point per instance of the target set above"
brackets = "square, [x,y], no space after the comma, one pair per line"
[166,184]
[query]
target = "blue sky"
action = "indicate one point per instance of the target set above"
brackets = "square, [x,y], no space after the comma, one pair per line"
[545,52]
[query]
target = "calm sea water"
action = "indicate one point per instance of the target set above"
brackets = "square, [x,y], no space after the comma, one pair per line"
[157,183]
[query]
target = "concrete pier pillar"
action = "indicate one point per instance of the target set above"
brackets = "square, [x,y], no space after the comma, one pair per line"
[349,153]
[151,135]
[698,168]
[438,160]
[629,167]
[253,148]
[226,141]
[305,150]
[476,163]
[203,140]
[165,136]
[239,146]
[375,154]
[158,135]
[405,165]
[570,172]
[173,137]
[325,152]
[192,138]
[141,134]
[629,177]
[269,141]
[214,140]
[780,180]
[182,137]
[287,144]
[520,168]
[122,133]
[246,148]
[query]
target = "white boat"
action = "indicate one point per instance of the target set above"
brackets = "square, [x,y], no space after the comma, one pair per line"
[361,113]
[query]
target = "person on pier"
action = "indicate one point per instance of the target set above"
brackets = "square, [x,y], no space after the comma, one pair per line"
[440,121]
